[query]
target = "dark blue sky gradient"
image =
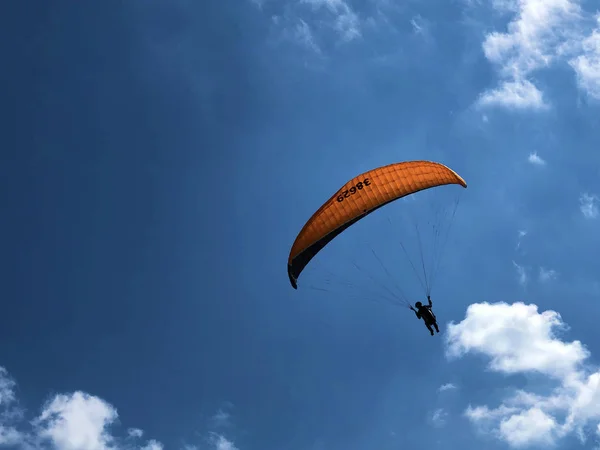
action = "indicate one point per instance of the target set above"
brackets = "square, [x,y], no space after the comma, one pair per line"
[158,160]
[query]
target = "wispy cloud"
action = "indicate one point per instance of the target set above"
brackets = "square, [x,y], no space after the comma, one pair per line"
[521,274]
[417,25]
[447,387]
[310,24]
[521,235]
[291,28]
[438,418]
[345,20]
[221,418]
[518,339]
[135,433]
[422,29]
[420,26]
[547,275]
[302,34]
[536,159]
[258,3]
[588,204]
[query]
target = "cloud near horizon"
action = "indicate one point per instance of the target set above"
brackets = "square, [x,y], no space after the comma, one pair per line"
[74,421]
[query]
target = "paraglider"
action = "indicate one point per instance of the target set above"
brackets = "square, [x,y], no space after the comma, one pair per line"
[359,197]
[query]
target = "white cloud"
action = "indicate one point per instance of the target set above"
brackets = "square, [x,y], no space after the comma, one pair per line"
[135,433]
[153,445]
[76,421]
[10,413]
[540,32]
[446,387]
[7,388]
[532,37]
[588,204]
[536,160]
[547,275]
[518,94]
[528,427]
[517,339]
[220,442]
[483,414]
[9,436]
[587,65]
[521,274]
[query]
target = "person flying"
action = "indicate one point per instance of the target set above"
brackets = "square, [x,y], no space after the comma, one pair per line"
[425,313]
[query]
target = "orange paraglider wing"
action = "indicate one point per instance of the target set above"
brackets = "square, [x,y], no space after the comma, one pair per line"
[359,197]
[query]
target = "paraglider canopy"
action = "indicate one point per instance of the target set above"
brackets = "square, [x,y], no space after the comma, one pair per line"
[358,198]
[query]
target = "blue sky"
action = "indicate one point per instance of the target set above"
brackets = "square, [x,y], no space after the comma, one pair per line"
[159,158]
